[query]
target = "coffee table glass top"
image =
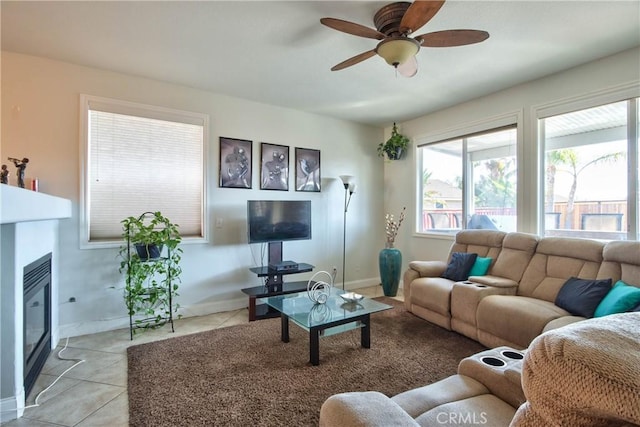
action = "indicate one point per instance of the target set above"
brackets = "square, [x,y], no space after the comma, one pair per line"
[307,314]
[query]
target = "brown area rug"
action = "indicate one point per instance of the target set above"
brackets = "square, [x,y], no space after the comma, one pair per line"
[245,376]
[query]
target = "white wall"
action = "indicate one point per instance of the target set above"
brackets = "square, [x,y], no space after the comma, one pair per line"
[40,120]
[597,77]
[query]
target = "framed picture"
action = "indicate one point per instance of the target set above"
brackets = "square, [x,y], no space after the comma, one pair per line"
[235,163]
[307,169]
[274,171]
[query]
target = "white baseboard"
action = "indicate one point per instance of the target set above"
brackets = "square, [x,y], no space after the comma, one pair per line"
[364,283]
[12,407]
[213,307]
[94,327]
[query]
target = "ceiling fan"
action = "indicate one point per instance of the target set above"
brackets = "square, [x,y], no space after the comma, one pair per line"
[394,24]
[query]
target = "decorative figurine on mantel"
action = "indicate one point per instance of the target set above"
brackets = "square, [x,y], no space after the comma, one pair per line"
[21,165]
[4,175]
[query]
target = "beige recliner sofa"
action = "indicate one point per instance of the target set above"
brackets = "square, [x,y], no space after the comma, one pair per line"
[514,302]
[583,374]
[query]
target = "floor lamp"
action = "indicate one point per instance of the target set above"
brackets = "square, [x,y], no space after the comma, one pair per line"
[349,189]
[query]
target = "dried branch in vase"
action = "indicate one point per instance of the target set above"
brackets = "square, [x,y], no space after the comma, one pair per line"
[391,227]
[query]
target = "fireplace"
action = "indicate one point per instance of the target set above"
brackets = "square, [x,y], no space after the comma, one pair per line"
[37,318]
[29,230]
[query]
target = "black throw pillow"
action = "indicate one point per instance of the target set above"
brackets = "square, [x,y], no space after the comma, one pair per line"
[460,266]
[580,297]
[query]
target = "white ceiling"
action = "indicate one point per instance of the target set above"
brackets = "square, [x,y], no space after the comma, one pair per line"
[278,53]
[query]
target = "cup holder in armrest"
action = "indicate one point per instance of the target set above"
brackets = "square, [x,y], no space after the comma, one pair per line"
[477,285]
[510,354]
[493,361]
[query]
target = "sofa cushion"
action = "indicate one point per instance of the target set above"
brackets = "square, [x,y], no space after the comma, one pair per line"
[561,322]
[517,250]
[620,299]
[557,259]
[423,399]
[481,242]
[368,408]
[481,266]
[432,293]
[621,261]
[513,320]
[459,266]
[485,409]
[580,297]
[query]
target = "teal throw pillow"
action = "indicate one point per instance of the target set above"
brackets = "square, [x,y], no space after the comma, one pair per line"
[480,267]
[621,298]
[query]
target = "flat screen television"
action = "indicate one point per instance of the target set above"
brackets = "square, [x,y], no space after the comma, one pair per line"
[278,220]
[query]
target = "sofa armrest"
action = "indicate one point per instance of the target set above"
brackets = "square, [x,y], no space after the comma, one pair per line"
[502,380]
[495,281]
[428,268]
[363,409]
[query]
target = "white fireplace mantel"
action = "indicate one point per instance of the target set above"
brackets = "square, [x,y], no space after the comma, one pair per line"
[28,230]
[20,205]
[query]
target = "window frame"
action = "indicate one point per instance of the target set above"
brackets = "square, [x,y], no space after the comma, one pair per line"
[620,93]
[142,110]
[510,119]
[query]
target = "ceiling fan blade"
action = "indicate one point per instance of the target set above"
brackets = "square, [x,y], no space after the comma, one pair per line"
[419,13]
[354,60]
[352,28]
[409,68]
[448,38]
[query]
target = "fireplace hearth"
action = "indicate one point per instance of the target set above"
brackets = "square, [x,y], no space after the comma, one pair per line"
[37,318]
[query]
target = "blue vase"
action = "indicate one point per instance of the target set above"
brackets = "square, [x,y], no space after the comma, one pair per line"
[390,262]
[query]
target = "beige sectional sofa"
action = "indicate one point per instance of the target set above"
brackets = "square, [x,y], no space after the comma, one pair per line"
[574,371]
[514,302]
[584,374]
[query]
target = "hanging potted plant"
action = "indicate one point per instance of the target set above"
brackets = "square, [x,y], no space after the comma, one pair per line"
[395,146]
[151,280]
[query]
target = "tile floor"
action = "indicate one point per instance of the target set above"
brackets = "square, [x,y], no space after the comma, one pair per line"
[94,393]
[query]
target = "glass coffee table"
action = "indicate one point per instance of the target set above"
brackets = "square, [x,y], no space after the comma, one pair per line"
[334,316]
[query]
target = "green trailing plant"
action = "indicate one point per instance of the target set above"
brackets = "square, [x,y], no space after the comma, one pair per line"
[395,146]
[151,282]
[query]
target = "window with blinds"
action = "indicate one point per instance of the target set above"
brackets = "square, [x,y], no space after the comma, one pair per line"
[137,159]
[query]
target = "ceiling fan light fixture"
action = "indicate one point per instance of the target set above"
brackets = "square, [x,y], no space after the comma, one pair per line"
[397,50]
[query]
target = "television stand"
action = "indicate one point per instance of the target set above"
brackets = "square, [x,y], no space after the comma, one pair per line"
[274,286]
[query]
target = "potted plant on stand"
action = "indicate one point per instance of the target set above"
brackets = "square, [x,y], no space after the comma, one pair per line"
[395,146]
[390,258]
[151,262]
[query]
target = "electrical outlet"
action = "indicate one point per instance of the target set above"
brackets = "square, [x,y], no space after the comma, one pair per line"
[219,222]
[72,299]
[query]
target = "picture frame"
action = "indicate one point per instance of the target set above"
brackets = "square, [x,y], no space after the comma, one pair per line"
[308,170]
[236,165]
[274,167]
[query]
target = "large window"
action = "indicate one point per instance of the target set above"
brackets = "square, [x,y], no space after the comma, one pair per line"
[469,182]
[591,172]
[139,158]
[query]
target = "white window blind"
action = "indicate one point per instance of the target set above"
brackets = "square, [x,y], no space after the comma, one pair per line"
[139,161]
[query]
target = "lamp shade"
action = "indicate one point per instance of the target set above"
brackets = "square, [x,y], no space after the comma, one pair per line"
[347,179]
[397,50]
[352,187]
